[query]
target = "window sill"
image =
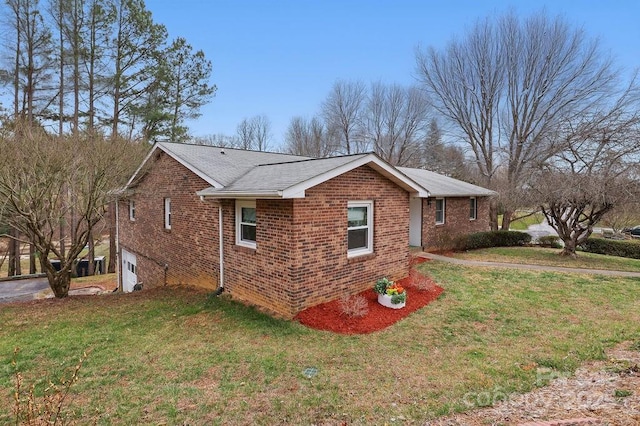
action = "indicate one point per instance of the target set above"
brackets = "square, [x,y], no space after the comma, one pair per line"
[360,257]
[244,249]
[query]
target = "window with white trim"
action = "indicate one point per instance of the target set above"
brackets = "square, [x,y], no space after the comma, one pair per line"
[473,208]
[439,211]
[132,210]
[167,213]
[246,223]
[359,228]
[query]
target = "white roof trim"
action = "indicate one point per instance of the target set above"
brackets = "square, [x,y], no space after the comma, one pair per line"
[196,171]
[213,194]
[374,162]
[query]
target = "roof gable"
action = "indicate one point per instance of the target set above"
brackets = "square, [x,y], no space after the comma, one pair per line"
[292,179]
[217,166]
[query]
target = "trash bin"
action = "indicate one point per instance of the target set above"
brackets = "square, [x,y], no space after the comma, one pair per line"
[99,267]
[56,264]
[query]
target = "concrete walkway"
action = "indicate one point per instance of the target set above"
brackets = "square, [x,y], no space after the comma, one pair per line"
[542,268]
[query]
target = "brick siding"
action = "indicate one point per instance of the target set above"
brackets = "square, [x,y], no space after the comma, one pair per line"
[300,258]
[456,221]
[190,247]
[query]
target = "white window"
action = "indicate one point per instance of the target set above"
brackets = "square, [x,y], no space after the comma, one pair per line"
[167,213]
[132,210]
[246,223]
[439,211]
[473,208]
[359,228]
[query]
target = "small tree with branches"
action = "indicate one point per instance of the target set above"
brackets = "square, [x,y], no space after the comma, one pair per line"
[597,170]
[43,178]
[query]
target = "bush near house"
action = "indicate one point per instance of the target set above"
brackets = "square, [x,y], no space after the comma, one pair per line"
[630,249]
[552,241]
[492,239]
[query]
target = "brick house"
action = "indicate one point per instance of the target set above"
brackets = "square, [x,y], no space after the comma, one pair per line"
[278,231]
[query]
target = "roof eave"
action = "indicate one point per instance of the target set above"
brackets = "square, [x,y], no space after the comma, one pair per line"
[451,195]
[239,195]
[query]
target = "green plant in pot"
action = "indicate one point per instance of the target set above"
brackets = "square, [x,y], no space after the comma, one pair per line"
[390,294]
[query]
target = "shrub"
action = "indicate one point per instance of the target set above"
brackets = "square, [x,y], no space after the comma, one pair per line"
[492,239]
[630,249]
[50,408]
[355,306]
[552,241]
[421,282]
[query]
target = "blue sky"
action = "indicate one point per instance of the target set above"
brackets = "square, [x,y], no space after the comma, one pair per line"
[280,58]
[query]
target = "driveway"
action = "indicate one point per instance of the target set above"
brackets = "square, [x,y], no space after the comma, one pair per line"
[22,289]
[540,230]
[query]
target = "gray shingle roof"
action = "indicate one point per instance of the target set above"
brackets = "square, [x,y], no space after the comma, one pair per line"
[280,176]
[222,168]
[241,173]
[443,186]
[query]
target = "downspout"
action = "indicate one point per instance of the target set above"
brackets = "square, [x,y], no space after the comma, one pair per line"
[118,266]
[220,288]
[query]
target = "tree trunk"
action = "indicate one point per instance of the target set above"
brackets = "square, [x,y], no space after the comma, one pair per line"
[62,241]
[18,258]
[112,238]
[493,215]
[569,249]
[506,220]
[92,255]
[32,259]
[59,281]
[12,254]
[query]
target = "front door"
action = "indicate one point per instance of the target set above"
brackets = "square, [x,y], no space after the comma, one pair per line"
[129,271]
[415,222]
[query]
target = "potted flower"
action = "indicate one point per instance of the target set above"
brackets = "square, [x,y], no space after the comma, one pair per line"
[390,294]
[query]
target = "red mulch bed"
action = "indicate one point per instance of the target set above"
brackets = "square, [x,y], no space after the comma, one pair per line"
[329,316]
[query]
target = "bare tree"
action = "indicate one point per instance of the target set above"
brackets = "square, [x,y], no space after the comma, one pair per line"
[509,85]
[245,134]
[594,173]
[261,132]
[254,133]
[42,177]
[446,159]
[217,139]
[625,214]
[309,138]
[465,82]
[342,112]
[554,74]
[395,119]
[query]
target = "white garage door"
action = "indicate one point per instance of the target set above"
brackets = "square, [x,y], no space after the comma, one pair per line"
[129,271]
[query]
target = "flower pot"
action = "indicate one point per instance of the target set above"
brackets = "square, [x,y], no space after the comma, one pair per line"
[385,300]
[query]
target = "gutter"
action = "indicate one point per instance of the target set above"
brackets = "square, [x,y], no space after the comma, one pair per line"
[250,195]
[118,265]
[221,251]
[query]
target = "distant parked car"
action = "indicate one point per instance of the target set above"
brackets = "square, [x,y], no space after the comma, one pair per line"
[634,232]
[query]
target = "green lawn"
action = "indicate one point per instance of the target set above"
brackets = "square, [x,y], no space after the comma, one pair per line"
[174,356]
[550,257]
[523,224]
